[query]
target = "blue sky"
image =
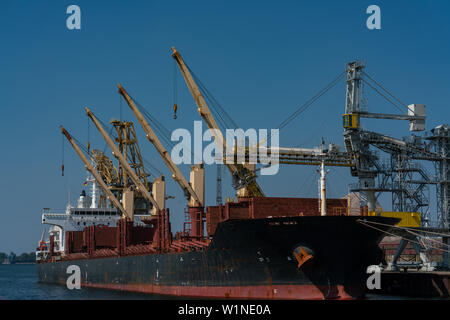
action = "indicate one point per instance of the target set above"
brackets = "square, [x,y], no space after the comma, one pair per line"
[260,59]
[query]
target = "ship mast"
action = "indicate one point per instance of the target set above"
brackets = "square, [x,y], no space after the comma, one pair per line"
[322,188]
[94,188]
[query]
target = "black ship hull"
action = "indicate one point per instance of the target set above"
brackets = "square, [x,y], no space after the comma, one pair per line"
[248,259]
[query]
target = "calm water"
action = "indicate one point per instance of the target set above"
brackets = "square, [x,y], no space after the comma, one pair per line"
[20,282]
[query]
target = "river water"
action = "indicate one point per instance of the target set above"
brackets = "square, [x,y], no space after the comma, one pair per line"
[20,282]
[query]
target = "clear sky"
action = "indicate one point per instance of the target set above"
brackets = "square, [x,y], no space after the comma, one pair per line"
[261,60]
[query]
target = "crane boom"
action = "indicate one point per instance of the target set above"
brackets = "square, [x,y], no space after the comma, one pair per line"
[153,138]
[116,152]
[96,175]
[236,170]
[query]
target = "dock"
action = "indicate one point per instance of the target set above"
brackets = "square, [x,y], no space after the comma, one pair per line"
[412,283]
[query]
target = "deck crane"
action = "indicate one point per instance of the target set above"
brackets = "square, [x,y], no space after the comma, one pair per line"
[96,175]
[140,187]
[194,191]
[245,177]
[108,173]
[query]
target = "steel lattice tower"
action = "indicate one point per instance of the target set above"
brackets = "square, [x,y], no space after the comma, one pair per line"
[441,138]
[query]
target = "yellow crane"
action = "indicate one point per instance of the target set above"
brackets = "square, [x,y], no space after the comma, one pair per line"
[196,196]
[250,186]
[194,191]
[105,168]
[128,145]
[108,173]
[110,196]
[140,187]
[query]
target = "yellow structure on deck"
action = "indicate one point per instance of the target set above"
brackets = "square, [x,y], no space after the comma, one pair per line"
[409,219]
[350,121]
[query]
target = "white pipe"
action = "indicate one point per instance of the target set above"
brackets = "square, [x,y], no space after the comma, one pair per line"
[323,198]
[281,150]
[94,194]
[94,187]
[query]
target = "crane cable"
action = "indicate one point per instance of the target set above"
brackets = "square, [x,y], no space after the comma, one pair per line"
[110,133]
[305,183]
[308,103]
[389,93]
[161,130]
[411,230]
[87,151]
[62,156]
[120,107]
[365,223]
[88,135]
[381,94]
[224,120]
[378,84]
[80,145]
[129,159]
[148,163]
[175,90]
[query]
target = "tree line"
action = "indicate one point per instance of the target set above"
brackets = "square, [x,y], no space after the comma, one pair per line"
[12,258]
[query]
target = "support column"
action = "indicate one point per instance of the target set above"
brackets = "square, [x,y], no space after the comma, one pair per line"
[128,203]
[445,254]
[159,193]
[196,214]
[197,226]
[52,246]
[123,235]
[158,225]
[167,229]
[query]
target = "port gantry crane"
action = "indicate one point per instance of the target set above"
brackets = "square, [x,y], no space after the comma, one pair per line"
[128,195]
[194,191]
[408,196]
[358,141]
[109,195]
[243,176]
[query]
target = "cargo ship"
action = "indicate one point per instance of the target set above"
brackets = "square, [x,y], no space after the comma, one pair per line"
[270,254]
[256,247]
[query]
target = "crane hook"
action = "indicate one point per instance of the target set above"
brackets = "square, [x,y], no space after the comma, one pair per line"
[62,156]
[175,107]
